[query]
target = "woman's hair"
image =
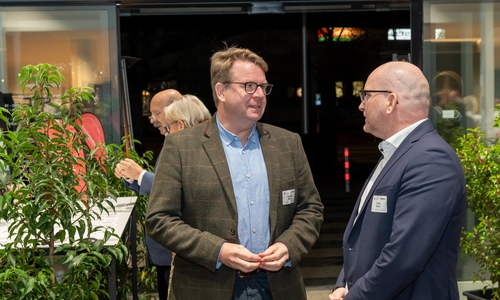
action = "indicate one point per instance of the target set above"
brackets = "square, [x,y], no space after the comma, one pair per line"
[222,62]
[448,80]
[188,109]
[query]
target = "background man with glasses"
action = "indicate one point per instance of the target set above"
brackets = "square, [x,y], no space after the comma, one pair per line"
[140,180]
[402,240]
[234,198]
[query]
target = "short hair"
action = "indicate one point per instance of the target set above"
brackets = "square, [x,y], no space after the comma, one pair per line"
[222,62]
[189,109]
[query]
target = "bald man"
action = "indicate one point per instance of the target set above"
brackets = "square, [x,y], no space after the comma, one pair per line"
[402,240]
[136,178]
[159,101]
[141,181]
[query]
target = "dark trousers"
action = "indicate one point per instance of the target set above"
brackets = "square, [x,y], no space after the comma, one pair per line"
[252,288]
[163,274]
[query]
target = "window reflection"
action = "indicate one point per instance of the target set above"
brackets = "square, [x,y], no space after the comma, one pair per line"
[461,60]
[79,41]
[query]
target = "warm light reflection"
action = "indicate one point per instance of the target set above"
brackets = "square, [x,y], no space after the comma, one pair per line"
[340,34]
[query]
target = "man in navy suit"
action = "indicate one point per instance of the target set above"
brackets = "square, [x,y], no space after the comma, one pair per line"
[141,181]
[402,240]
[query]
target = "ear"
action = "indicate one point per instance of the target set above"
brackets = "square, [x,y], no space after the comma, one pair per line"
[220,89]
[392,102]
[181,125]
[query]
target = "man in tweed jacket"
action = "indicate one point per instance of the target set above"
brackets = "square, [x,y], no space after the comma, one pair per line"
[233,198]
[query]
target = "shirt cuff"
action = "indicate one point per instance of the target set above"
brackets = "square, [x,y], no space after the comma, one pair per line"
[217,266]
[139,180]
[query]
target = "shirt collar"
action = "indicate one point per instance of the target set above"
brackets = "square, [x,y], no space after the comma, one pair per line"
[395,140]
[229,138]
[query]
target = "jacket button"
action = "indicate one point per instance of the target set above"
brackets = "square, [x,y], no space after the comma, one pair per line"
[233,232]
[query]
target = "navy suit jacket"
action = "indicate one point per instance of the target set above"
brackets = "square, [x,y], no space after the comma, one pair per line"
[159,255]
[410,251]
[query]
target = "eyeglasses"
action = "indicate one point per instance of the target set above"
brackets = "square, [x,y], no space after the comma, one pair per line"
[153,117]
[251,87]
[362,94]
[167,127]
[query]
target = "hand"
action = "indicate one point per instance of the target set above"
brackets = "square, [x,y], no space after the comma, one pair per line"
[238,257]
[128,168]
[118,172]
[274,257]
[338,294]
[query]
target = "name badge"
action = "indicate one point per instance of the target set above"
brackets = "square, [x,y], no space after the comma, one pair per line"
[288,196]
[379,204]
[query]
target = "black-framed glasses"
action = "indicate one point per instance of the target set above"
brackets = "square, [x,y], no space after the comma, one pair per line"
[251,87]
[167,127]
[153,117]
[362,94]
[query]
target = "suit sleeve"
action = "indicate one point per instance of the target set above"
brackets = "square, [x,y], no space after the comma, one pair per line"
[134,186]
[145,187]
[146,183]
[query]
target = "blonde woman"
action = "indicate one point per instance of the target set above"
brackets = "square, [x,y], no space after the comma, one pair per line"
[185,112]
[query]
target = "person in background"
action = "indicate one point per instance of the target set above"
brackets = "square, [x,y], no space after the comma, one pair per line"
[185,112]
[135,177]
[448,96]
[402,240]
[140,180]
[234,198]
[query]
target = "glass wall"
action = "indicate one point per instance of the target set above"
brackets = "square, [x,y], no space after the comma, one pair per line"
[461,59]
[80,41]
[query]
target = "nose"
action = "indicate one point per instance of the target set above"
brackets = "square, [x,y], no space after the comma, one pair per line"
[361,106]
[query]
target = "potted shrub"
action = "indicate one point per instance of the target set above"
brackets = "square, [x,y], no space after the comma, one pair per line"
[480,159]
[53,187]
[146,273]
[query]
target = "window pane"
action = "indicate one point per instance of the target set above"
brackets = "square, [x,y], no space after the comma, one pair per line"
[79,41]
[461,60]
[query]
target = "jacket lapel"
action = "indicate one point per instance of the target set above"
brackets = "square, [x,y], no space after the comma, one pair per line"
[271,157]
[407,143]
[215,152]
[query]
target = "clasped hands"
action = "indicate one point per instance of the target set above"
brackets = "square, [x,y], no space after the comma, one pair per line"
[240,258]
[128,169]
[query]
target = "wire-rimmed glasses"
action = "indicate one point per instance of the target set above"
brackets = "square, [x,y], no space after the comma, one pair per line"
[362,94]
[153,116]
[167,127]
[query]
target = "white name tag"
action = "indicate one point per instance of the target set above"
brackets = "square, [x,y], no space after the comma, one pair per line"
[288,196]
[379,204]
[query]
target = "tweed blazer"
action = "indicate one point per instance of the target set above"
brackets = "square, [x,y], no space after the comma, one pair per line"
[192,210]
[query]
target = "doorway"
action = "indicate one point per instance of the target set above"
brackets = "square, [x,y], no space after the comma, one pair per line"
[174,51]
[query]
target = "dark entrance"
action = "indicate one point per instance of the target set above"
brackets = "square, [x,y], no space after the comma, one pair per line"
[174,51]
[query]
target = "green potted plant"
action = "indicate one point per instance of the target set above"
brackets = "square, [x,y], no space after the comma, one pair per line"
[146,272]
[480,159]
[53,186]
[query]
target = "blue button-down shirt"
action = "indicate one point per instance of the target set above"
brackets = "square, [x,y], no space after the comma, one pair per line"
[251,188]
